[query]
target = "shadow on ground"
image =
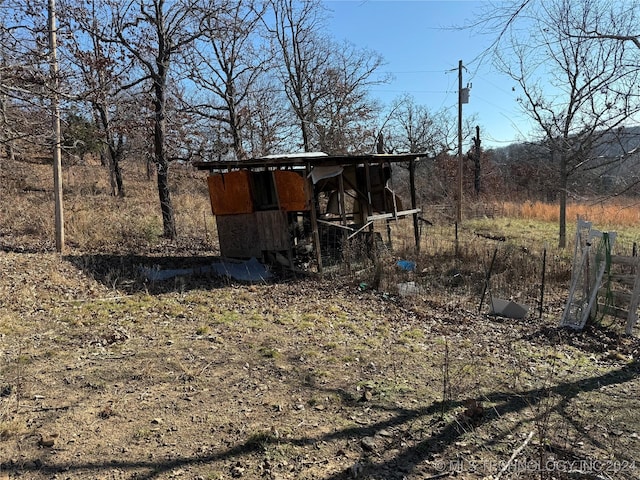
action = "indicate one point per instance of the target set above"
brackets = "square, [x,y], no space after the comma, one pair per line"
[408,460]
[132,273]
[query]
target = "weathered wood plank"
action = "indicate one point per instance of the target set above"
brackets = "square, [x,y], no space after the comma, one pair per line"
[614,311]
[248,235]
[626,279]
[238,235]
[625,260]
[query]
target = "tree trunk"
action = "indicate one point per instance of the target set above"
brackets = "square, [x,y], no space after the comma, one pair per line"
[115,171]
[114,153]
[168,222]
[8,147]
[562,237]
[305,136]
[235,134]
[162,163]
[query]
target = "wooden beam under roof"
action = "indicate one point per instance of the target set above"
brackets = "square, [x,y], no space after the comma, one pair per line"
[302,160]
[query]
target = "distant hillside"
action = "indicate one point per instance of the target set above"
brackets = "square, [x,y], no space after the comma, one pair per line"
[613,144]
[612,168]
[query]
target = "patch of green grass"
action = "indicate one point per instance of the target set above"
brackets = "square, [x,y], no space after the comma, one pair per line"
[256,321]
[350,358]
[373,342]
[203,330]
[152,230]
[269,352]
[382,330]
[143,434]
[23,359]
[313,318]
[310,353]
[353,328]
[322,373]
[411,335]
[228,317]
[278,452]
[285,318]
[306,325]
[262,439]
[338,313]
[388,389]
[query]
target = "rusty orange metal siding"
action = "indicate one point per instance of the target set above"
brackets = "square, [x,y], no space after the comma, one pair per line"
[291,191]
[230,193]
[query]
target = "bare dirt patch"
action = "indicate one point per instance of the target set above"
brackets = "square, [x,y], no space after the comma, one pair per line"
[198,378]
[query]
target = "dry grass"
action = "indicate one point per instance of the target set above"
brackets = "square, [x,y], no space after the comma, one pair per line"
[609,215]
[200,378]
[97,221]
[291,378]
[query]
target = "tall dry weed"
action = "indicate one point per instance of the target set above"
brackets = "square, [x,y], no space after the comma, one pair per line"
[94,219]
[612,213]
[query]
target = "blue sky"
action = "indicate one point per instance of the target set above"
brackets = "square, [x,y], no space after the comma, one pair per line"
[421,48]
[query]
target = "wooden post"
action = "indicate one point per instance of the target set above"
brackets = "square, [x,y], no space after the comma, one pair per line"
[456,240]
[632,315]
[385,202]
[311,198]
[367,174]
[343,220]
[412,186]
[544,265]
[372,234]
[341,202]
[55,110]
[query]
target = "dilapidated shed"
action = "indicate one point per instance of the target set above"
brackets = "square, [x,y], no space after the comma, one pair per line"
[306,205]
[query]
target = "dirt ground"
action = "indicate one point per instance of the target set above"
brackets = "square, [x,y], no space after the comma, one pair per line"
[198,378]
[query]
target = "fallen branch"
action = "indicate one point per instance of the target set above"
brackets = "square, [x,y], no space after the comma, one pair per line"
[514,455]
[439,475]
[499,238]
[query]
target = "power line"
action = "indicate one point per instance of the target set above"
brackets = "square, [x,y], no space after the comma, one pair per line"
[414,71]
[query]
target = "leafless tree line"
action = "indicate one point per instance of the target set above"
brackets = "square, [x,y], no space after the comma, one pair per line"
[576,67]
[178,80]
[186,79]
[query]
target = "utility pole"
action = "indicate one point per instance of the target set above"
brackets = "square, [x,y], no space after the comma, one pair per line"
[476,161]
[463,97]
[460,165]
[55,110]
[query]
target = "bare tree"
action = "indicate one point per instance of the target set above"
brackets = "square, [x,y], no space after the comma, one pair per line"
[303,53]
[326,83]
[7,126]
[103,75]
[226,66]
[413,128]
[576,90]
[270,126]
[155,32]
[616,21]
[24,80]
[344,113]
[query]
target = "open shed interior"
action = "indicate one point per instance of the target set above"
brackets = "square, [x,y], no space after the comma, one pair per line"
[305,209]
